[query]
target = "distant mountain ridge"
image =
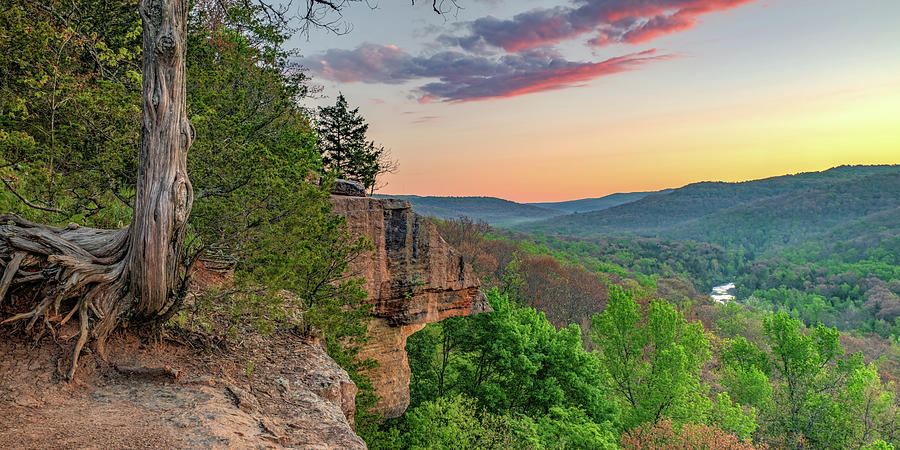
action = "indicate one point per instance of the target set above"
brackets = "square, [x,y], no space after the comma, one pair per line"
[500,212]
[756,215]
[493,210]
[597,204]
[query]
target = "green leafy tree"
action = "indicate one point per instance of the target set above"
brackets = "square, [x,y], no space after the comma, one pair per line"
[571,428]
[69,110]
[653,363]
[513,359]
[511,280]
[746,374]
[800,362]
[456,423]
[513,363]
[818,396]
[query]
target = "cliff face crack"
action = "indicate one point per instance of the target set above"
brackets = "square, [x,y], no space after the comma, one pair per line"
[414,279]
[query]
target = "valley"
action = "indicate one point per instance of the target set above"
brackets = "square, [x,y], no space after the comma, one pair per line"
[256,224]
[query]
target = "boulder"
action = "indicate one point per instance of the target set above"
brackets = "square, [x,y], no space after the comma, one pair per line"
[348,188]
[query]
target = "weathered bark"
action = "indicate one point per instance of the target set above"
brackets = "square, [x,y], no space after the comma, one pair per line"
[164,194]
[126,274]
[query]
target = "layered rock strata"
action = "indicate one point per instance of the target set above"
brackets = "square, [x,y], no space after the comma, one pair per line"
[413,278]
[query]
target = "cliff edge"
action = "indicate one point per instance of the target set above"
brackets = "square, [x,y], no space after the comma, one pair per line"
[413,278]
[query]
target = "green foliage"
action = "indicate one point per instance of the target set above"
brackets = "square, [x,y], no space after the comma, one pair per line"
[512,282]
[878,445]
[732,417]
[817,395]
[457,423]
[522,382]
[746,374]
[69,109]
[572,428]
[514,360]
[251,167]
[345,150]
[307,254]
[653,363]
[848,284]
[757,215]
[645,258]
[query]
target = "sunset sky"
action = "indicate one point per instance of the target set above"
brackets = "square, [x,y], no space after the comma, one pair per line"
[549,100]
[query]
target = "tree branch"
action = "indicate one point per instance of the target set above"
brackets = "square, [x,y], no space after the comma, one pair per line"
[25,200]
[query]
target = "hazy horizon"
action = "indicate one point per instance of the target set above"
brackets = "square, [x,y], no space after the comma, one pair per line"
[387,191]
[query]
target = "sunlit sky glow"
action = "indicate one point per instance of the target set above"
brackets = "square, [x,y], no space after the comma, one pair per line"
[548,100]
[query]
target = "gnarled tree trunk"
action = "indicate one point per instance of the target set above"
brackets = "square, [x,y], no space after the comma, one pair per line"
[112,276]
[164,194]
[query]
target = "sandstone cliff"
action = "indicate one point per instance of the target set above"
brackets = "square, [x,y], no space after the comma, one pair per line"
[413,278]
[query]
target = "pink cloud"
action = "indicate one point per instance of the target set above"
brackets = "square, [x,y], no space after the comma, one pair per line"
[502,58]
[463,77]
[614,21]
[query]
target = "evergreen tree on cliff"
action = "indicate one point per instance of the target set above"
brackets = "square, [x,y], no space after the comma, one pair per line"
[343,145]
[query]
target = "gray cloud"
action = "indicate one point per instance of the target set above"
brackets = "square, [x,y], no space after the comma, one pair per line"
[464,77]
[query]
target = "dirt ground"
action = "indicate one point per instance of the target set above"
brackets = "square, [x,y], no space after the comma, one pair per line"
[166,394]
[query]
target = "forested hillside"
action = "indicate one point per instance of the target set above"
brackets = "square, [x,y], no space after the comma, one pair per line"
[814,259]
[504,213]
[596,204]
[823,247]
[754,215]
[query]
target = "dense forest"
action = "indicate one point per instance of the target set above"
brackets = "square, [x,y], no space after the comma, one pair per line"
[755,215]
[813,257]
[602,334]
[669,367]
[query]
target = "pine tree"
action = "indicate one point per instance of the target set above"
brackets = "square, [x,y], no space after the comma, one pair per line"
[342,136]
[343,145]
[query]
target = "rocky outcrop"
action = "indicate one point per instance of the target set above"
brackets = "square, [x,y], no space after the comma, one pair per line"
[348,187]
[272,392]
[413,278]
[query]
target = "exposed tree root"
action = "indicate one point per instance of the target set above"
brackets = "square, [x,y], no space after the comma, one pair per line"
[11,269]
[46,266]
[125,274]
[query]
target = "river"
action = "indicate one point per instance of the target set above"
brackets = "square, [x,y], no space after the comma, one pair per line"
[723,293]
